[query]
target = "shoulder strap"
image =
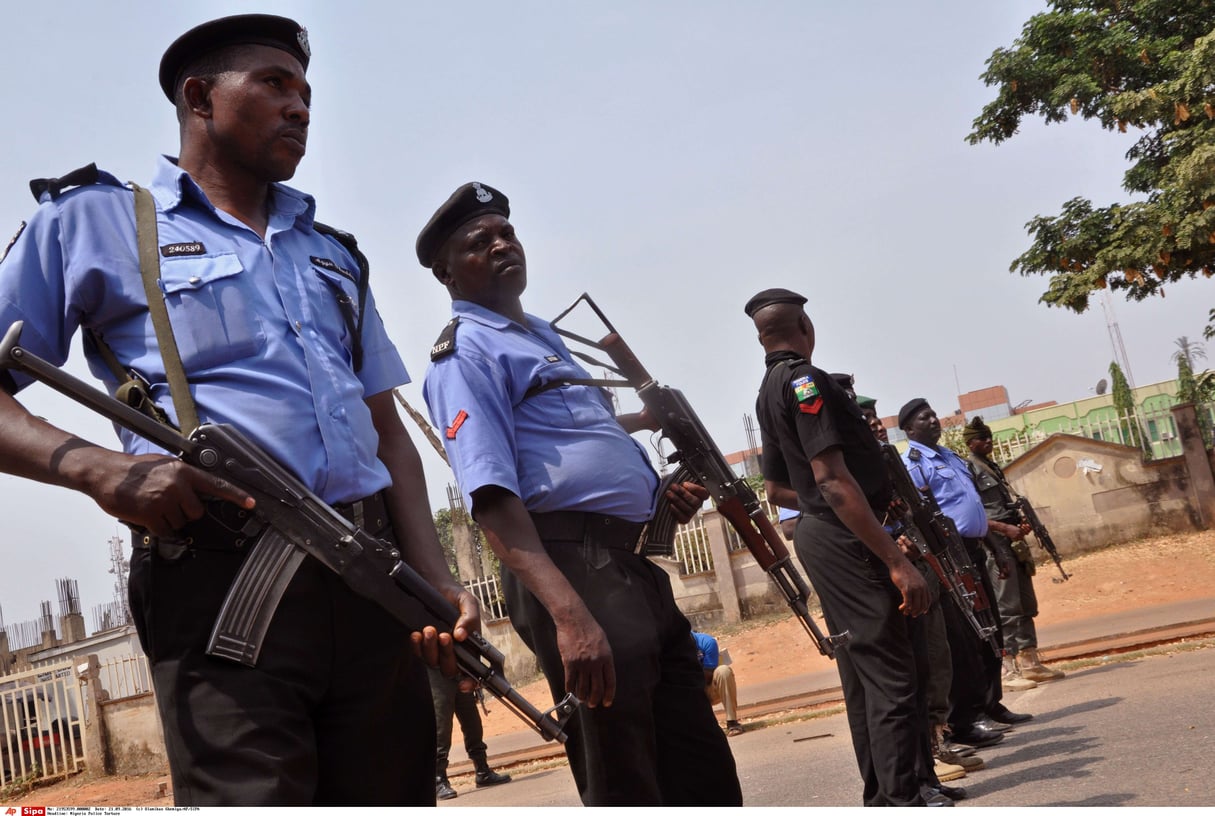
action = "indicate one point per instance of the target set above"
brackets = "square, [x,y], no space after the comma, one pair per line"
[446,342]
[352,246]
[149,268]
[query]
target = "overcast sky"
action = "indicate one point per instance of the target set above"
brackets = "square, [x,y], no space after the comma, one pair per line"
[671,159]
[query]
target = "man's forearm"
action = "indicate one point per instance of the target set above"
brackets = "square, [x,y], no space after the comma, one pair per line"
[407,496]
[511,534]
[32,448]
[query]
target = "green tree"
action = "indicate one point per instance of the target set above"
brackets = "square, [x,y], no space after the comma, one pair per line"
[1124,405]
[1189,351]
[952,438]
[1196,388]
[1147,66]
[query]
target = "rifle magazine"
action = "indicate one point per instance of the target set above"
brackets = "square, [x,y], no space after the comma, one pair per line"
[249,606]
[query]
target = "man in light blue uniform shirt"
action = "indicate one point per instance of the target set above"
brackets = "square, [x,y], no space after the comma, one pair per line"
[264,311]
[977,715]
[562,492]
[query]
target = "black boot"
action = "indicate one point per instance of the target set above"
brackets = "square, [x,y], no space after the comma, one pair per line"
[443,788]
[486,775]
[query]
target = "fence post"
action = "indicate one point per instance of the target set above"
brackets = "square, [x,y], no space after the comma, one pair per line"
[1197,462]
[723,569]
[97,760]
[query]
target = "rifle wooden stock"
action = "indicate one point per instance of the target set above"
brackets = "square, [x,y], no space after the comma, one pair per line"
[295,523]
[699,459]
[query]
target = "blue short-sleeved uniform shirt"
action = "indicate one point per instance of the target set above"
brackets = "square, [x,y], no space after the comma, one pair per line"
[258,322]
[947,476]
[558,450]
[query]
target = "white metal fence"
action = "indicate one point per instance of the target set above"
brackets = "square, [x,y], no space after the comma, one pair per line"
[40,724]
[488,592]
[127,676]
[692,540]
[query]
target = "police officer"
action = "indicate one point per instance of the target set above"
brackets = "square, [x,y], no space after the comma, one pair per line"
[562,492]
[1014,587]
[977,715]
[338,708]
[819,454]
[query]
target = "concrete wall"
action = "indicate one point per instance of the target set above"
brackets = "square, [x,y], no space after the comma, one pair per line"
[1091,494]
[135,743]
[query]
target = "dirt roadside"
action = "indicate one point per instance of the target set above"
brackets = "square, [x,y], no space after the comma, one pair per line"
[1143,574]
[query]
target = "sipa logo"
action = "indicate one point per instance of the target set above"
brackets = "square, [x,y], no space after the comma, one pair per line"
[33,811]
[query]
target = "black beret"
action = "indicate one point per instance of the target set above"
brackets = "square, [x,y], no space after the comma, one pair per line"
[770,297]
[911,409]
[242,29]
[469,201]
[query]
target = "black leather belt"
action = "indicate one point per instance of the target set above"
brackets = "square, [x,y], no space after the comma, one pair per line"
[226,527]
[592,528]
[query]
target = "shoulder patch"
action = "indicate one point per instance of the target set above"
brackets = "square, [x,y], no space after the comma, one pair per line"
[446,343]
[12,241]
[804,389]
[914,455]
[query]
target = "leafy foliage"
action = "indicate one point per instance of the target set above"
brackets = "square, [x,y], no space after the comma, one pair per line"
[1147,65]
[1124,404]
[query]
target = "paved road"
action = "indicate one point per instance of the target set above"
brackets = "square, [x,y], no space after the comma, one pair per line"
[1138,732]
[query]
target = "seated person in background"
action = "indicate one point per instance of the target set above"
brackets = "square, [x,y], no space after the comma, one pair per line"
[719,681]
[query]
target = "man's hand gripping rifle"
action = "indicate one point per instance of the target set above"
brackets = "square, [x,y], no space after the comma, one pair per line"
[700,460]
[915,514]
[1030,516]
[292,523]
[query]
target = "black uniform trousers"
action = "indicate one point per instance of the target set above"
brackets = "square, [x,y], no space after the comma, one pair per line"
[976,686]
[659,742]
[450,702]
[337,710]
[883,695]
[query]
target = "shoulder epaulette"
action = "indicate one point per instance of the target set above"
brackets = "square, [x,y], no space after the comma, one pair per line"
[48,189]
[351,245]
[914,455]
[446,343]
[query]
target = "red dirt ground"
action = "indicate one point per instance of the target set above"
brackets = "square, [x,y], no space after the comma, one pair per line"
[1141,574]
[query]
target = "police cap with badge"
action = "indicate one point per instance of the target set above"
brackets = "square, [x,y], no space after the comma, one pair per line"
[469,201]
[242,29]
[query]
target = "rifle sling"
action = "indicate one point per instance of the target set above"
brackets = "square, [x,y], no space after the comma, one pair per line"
[149,269]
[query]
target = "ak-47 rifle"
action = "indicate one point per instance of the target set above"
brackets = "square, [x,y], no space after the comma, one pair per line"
[1029,516]
[700,460]
[290,523]
[917,515]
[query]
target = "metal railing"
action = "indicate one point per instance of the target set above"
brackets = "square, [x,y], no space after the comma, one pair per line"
[488,591]
[129,676]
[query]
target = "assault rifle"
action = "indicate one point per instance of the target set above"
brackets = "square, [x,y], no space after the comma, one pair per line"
[917,515]
[1029,516]
[700,460]
[291,523]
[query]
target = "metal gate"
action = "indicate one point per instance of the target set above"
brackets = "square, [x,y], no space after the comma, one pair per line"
[41,726]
